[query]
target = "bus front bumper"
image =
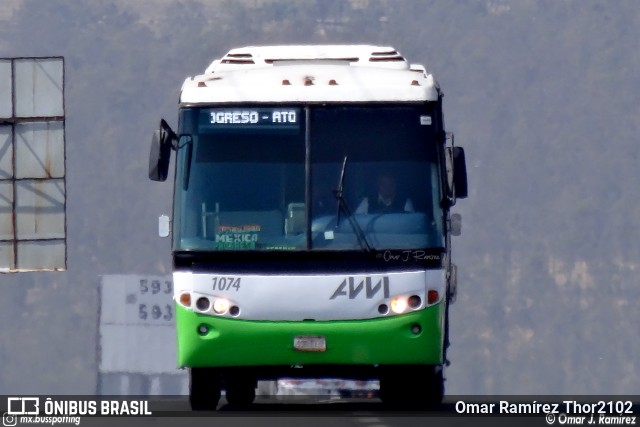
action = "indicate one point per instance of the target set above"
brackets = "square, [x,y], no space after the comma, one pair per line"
[389,340]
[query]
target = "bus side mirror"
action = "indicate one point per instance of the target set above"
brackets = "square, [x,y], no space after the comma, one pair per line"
[459,173]
[456,174]
[162,142]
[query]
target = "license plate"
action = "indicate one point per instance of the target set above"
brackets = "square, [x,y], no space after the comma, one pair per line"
[310,343]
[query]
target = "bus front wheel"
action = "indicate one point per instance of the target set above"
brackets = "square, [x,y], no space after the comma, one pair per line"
[204,389]
[412,387]
[240,391]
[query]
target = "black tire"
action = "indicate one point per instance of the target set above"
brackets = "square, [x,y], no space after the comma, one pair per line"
[240,392]
[416,388]
[345,394]
[434,388]
[204,389]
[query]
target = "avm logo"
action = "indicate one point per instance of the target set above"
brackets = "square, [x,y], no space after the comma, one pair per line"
[352,289]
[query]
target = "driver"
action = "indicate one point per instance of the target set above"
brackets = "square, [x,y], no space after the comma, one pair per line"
[386,199]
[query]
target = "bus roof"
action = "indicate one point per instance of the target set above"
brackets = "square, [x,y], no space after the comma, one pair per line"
[313,73]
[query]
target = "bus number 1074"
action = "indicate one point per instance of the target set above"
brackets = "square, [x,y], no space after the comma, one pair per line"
[226,283]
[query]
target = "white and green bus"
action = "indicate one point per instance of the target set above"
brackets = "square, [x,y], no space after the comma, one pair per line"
[311,226]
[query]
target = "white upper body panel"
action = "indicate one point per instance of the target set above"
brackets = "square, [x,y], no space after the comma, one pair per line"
[330,73]
[321,297]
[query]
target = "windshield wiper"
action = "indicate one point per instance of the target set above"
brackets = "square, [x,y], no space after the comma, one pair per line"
[342,206]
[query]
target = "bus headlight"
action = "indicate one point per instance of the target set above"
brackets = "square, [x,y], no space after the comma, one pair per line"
[220,305]
[414,301]
[399,305]
[234,310]
[203,304]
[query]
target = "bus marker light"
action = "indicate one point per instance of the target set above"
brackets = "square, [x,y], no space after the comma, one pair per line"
[416,329]
[185,299]
[432,296]
[203,329]
[220,305]
[203,303]
[399,305]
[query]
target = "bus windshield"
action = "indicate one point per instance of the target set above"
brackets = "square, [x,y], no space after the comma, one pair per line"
[325,177]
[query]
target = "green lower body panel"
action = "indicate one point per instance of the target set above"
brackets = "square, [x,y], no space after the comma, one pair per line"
[381,341]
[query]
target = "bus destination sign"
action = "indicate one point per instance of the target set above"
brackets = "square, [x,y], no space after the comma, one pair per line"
[220,119]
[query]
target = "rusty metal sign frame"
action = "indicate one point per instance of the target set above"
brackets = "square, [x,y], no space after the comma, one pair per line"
[17,122]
